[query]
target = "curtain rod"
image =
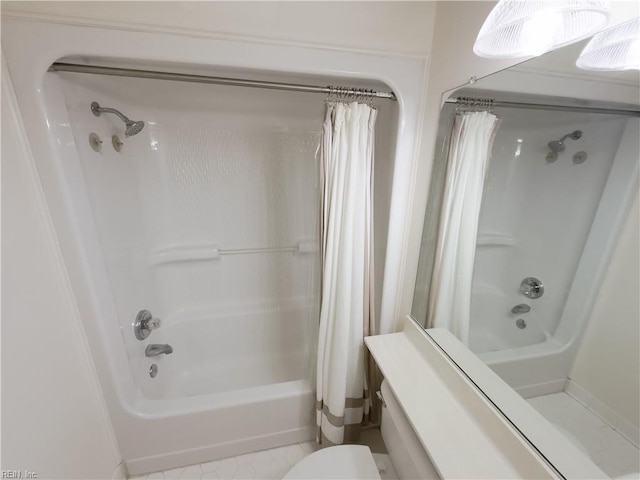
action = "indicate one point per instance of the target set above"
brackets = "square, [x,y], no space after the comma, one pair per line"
[542,106]
[185,77]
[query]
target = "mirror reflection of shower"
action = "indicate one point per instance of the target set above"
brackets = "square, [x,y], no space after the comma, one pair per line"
[558,146]
[132,127]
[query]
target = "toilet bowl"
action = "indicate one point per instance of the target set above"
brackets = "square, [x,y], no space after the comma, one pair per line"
[343,461]
[407,456]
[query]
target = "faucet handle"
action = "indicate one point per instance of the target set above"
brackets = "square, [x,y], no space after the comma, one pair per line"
[153,323]
[144,323]
[532,287]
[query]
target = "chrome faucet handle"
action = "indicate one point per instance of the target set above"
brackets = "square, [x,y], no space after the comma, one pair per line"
[153,323]
[522,308]
[155,349]
[532,287]
[144,323]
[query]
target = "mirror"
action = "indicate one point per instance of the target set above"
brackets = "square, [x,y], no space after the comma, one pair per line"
[554,295]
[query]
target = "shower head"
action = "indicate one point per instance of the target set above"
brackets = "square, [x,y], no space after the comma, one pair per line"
[132,129]
[556,146]
[559,146]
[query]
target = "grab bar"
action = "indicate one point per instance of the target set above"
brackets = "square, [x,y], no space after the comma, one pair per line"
[193,253]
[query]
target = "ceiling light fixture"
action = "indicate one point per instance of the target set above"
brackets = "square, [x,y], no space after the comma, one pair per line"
[519,28]
[615,49]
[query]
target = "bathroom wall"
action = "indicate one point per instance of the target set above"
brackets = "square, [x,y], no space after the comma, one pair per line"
[607,366]
[54,421]
[396,28]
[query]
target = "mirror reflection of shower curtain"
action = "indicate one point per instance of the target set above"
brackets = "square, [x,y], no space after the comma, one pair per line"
[469,151]
[347,305]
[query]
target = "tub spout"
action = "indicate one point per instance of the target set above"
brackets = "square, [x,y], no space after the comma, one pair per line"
[155,349]
[522,308]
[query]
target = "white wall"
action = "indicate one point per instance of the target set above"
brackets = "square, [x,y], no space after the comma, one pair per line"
[54,421]
[608,363]
[403,28]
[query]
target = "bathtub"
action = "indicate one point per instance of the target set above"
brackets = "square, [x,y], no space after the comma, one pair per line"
[493,326]
[229,353]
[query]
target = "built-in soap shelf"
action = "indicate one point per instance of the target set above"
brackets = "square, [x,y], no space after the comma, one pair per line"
[193,253]
[495,239]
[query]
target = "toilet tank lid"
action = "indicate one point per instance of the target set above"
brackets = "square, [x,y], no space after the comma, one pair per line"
[343,461]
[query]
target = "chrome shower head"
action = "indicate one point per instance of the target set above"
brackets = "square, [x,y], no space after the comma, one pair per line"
[132,129]
[559,146]
[556,146]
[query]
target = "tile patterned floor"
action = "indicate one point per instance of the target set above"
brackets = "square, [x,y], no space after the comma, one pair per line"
[613,453]
[267,464]
[270,464]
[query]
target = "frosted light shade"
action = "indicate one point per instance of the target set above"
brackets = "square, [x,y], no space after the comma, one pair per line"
[519,28]
[615,49]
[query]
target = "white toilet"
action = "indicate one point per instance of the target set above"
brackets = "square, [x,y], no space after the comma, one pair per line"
[356,461]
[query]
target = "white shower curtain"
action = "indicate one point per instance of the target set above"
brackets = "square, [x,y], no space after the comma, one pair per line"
[347,313]
[469,151]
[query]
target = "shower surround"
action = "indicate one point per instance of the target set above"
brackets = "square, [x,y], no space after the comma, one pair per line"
[555,218]
[176,223]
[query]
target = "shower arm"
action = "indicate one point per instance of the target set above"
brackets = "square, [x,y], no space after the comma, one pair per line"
[575,135]
[98,110]
[567,135]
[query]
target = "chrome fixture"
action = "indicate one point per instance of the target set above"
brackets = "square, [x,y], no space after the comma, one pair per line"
[579,157]
[559,146]
[132,129]
[95,142]
[557,107]
[237,82]
[144,323]
[155,349]
[532,287]
[153,370]
[116,142]
[522,308]
[521,323]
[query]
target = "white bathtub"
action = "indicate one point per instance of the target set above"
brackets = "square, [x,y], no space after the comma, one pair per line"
[493,325]
[225,353]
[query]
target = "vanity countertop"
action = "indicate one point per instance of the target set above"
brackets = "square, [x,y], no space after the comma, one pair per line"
[464,430]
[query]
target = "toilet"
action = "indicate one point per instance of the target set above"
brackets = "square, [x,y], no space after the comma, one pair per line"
[356,461]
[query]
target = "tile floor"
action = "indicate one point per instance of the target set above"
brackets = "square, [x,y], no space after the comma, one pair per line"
[267,464]
[270,464]
[613,453]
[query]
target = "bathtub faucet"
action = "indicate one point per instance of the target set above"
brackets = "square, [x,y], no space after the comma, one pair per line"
[522,308]
[155,349]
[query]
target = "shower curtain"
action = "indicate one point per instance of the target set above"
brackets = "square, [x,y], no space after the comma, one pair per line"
[469,151]
[347,306]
